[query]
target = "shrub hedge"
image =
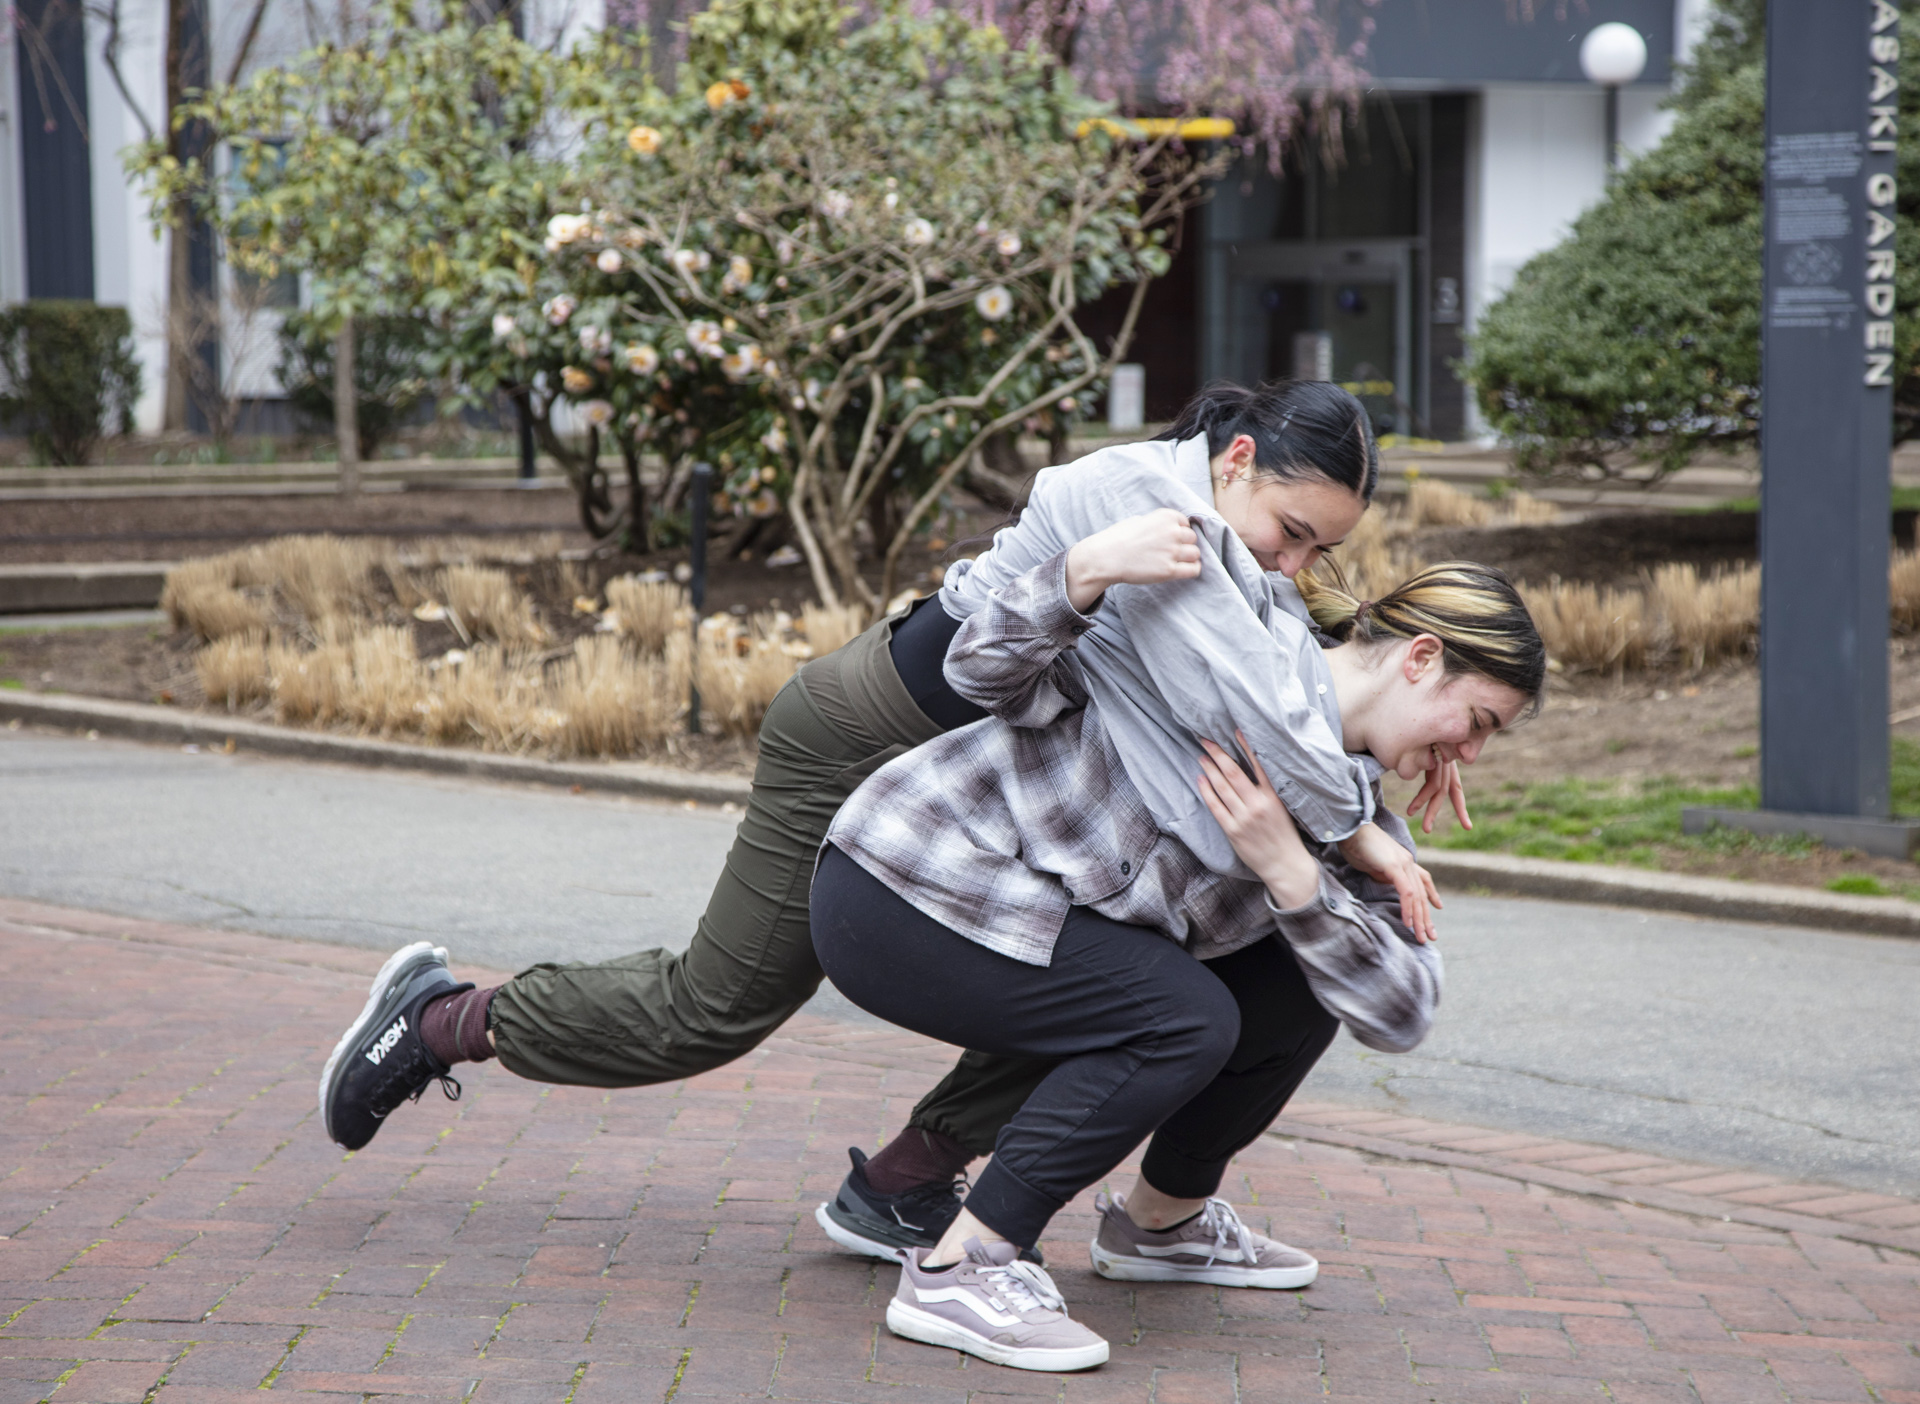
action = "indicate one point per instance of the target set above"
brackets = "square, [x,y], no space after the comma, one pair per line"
[68,375]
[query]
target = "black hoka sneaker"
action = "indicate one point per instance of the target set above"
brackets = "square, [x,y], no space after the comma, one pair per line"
[863,1220]
[380,1062]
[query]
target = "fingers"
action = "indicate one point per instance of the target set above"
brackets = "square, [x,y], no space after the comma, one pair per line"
[1259,774]
[1459,793]
[1433,893]
[1413,908]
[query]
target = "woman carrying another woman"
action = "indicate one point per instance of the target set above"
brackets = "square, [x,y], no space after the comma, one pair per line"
[1006,888]
[1256,481]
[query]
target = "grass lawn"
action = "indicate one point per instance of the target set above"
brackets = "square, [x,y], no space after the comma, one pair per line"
[1607,821]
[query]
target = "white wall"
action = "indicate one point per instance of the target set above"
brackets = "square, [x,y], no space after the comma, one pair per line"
[13,253]
[129,260]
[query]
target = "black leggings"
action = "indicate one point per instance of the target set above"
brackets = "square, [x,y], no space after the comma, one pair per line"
[1135,1036]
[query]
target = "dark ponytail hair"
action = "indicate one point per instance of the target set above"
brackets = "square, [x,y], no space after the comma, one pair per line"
[1300,429]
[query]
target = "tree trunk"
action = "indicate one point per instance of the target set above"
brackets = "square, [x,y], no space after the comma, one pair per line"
[346,410]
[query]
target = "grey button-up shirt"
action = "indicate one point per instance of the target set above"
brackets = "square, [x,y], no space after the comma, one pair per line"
[996,830]
[1166,664]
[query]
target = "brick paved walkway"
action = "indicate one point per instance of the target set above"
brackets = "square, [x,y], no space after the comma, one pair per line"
[178,1230]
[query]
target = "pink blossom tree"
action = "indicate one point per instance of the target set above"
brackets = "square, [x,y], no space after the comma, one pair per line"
[1268,64]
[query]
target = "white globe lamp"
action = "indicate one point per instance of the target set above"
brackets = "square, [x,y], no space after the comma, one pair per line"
[1613,55]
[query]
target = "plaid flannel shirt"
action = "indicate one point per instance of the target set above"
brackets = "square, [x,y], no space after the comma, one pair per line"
[995,830]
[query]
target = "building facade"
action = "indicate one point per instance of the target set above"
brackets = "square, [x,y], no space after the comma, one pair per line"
[1477,144]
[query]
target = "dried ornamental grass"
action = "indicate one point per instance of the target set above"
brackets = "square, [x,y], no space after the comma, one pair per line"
[1585,627]
[1704,621]
[386,688]
[233,670]
[201,597]
[648,611]
[1433,503]
[322,577]
[308,684]
[741,670]
[490,604]
[613,701]
[1903,589]
[828,627]
[1524,509]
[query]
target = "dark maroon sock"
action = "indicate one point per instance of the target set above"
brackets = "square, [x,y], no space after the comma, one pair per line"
[454,1026]
[916,1157]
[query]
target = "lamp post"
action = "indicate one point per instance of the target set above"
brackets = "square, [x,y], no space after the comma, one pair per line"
[1613,55]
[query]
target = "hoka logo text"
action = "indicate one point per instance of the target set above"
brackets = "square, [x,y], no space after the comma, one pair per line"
[387,1040]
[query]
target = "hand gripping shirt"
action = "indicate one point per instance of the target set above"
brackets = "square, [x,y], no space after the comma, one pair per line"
[1169,663]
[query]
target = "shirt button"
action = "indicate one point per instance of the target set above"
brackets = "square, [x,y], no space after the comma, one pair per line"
[1329,835]
[1321,688]
[1125,868]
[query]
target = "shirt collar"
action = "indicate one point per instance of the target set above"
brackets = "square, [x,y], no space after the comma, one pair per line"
[1193,466]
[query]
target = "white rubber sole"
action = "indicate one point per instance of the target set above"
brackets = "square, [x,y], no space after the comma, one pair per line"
[913,1324]
[1131,1269]
[367,1015]
[854,1242]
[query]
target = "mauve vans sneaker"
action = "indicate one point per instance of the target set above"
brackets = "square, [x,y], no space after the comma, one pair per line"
[992,1305]
[1214,1246]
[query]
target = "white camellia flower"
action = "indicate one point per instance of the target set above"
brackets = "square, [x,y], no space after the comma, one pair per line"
[596,341]
[836,332]
[1008,243]
[690,261]
[558,309]
[785,250]
[994,303]
[742,363]
[503,325]
[609,261]
[598,413]
[704,337]
[835,204]
[892,199]
[739,275]
[565,228]
[918,233]
[641,358]
[983,226]
[1069,404]
[774,440]
[913,382]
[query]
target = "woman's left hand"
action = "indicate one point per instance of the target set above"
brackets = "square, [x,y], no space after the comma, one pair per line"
[1258,825]
[1443,783]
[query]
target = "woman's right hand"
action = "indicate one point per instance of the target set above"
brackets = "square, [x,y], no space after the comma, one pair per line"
[1145,550]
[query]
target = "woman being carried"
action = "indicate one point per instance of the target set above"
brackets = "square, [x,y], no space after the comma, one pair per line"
[1007,888]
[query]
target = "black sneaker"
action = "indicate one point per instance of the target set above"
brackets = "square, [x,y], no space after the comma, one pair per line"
[380,1062]
[863,1220]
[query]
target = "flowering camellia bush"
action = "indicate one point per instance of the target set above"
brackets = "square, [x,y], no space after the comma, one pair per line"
[834,259]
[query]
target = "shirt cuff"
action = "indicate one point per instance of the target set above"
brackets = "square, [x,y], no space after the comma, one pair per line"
[1053,612]
[1331,905]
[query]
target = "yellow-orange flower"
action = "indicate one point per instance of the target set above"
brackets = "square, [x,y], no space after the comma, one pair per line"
[575,380]
[644,141]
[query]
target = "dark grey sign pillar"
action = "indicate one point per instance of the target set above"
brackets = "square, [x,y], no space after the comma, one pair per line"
[1826,372]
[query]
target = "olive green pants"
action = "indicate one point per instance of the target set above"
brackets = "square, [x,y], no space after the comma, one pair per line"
[656,1016]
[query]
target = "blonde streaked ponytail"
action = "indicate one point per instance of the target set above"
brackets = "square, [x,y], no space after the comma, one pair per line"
[1479,618]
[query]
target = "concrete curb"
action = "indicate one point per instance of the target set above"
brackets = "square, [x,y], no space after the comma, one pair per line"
[63,586]
[1722,898]
[137,721]
[1456,870]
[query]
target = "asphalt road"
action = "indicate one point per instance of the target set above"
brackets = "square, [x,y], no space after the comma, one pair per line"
[1766,1047]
